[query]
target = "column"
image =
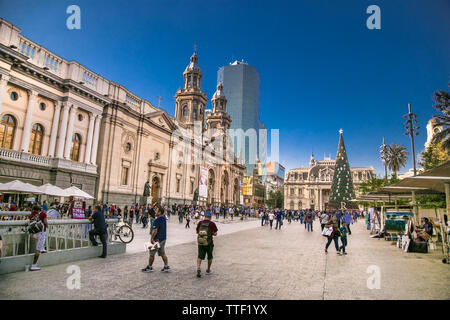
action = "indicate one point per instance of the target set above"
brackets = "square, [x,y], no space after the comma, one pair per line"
[69,135]
[28,121]
[95,142]
[62,130]
[320,200]
[3,83]
[87,156]
[52,147]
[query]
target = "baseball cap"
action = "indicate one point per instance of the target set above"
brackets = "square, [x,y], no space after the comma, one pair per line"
[208,214]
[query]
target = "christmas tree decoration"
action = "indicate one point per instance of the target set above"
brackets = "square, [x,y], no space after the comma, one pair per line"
[342,190]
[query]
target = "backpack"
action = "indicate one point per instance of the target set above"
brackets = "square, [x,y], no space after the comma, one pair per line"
[35,225]
[204,234]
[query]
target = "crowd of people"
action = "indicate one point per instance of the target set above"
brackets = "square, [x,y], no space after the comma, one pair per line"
[335,225]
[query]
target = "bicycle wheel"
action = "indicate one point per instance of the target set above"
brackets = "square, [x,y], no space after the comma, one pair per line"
[126,234]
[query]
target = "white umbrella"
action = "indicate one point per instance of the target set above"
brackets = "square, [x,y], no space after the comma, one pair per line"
[17,186]
[52,190]
[76,192]
[52,213]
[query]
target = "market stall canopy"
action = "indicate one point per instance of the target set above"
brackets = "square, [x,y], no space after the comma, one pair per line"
[434,179]
[76,192]
[52,190]
[18,186]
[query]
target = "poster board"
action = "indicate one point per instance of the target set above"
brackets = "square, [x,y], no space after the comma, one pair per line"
[203,183]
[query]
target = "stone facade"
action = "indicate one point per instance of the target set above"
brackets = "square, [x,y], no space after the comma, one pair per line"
[309,188]
[73,127]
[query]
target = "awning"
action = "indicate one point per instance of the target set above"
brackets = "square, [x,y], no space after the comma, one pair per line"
[52,190]
[18,186]
[76,192]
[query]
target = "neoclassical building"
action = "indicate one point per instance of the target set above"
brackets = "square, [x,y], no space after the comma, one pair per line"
[63,124]
[309,188]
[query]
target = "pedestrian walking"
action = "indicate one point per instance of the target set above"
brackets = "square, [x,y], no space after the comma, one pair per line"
[309,221]
[334,236]
[279,216]
[206,229]
[188,220]
[348,221]
[271,216]
[158,240]
[343,231]
[324,218]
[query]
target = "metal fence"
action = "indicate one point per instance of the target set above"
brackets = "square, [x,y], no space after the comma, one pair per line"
[62,234]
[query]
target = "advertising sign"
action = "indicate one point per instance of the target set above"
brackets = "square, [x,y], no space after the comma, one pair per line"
[248,186]
[203,183]
[77,209]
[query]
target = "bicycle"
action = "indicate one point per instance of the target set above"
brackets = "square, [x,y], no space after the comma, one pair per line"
[123,231]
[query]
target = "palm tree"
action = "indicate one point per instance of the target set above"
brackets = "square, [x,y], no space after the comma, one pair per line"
[397,157]
[442,97]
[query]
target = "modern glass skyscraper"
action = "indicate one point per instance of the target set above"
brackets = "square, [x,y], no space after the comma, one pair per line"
[241,87]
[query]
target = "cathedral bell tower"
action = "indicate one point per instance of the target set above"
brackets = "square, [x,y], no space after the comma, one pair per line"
[191,100]
[219,118]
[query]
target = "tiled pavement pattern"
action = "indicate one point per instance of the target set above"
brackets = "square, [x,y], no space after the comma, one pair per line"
[255,263]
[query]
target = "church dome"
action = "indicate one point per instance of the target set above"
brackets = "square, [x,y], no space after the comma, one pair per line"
[193,65]
[219,92]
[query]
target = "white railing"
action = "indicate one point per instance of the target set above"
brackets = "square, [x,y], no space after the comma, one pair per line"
[24,157]
[62,234]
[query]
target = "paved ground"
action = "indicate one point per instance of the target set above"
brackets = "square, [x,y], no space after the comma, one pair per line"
[254,263]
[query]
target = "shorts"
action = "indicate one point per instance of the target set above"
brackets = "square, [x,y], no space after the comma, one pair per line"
[161,250]
[40,244]
[205,250]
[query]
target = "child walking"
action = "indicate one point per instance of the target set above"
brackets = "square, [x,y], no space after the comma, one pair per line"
[343,230]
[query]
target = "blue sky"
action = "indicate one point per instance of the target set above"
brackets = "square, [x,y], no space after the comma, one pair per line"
[321,69]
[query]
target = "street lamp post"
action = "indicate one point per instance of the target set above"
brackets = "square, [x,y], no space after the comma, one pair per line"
[411,130]
[384,157]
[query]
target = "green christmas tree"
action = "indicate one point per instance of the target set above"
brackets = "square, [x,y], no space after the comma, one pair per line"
[342,188]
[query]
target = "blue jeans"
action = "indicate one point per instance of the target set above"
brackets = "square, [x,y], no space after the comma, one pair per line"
[344,244]
[103,234]
[137,218]
[279,223]
[262,221]
[310,224]
[336,243]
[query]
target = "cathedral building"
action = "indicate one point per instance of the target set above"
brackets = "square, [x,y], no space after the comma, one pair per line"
[64,124]
[310,187]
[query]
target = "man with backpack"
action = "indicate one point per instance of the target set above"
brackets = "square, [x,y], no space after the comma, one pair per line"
[38,225]
[206,229]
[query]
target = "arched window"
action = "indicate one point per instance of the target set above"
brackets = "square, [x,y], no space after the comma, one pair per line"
[292,205]
[75,148]
[36,137]
[194,113]
[185,111]
[7,130]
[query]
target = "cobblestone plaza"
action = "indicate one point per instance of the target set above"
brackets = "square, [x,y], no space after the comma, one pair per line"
[251,262]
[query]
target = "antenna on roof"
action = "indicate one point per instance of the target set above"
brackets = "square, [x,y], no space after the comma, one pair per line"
[195,48]
[159,102]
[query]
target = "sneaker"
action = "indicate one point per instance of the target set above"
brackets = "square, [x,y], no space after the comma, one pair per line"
[326,251]
[35,267]
[339,253]
[208,272]
[199,273]
[345,253]
[147,269]
[166,269]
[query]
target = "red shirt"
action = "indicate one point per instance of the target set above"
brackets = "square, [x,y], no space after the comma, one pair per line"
[212,227]
[42,217]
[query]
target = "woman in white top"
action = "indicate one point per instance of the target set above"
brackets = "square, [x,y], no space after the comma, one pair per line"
[271,216]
